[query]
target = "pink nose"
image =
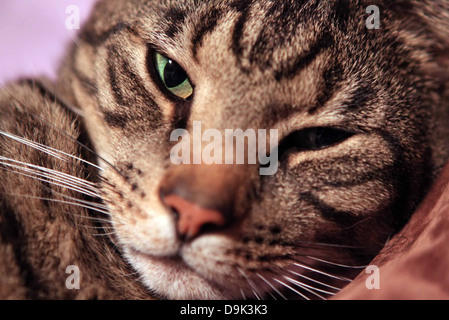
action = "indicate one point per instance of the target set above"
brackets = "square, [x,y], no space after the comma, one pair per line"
[192,217]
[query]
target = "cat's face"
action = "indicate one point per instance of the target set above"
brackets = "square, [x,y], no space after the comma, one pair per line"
[349,105]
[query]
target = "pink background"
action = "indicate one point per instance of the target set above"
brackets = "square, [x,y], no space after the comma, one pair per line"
[33,35]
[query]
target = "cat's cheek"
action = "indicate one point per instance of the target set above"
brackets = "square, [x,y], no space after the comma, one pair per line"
[153,234]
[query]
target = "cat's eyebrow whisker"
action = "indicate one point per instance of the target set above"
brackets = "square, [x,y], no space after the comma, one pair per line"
[292,289]
[46,149]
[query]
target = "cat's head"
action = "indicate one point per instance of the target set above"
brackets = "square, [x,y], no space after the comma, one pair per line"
[354,112]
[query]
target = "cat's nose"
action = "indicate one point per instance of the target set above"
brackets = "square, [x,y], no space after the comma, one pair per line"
[193,219]
[203,198]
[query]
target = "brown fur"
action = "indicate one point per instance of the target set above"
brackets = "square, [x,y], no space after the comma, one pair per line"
[290,65]
[40,239]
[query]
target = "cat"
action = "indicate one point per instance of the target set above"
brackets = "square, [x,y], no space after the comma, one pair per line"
[87,178]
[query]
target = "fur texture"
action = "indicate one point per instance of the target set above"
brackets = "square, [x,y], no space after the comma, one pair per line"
[288,65]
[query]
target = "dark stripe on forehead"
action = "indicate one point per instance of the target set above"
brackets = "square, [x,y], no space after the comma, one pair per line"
[361,96]
[175,18]
[342,14]
[284,18]
[207,24]
[243,7]
[97,39]
[303,60]
[332,78]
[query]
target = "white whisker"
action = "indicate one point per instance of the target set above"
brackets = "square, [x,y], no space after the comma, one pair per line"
[103,234]
[294,290]
[308,288]
[243,294]
[76,189]
[55,172]
[61,201]
[49,178]
[49,150]
[251,284]
[322,272]
[272,287]
[316,281]
[336,264]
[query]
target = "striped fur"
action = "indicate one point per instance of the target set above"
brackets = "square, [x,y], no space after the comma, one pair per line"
[289,65]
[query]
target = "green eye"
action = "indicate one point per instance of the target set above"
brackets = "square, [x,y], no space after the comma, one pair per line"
[173,77]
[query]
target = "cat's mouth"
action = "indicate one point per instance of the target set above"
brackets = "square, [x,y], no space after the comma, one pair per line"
[173,277]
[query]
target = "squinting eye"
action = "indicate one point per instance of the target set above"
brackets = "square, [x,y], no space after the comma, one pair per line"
[173,77]
[314,139]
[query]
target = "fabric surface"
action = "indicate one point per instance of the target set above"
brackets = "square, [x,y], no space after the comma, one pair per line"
[415,263]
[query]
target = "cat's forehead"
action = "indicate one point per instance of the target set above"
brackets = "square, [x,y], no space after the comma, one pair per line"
[279,35]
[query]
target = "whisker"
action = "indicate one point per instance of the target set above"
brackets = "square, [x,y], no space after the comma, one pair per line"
[243,294]
[93,218]
[271,286]
[75,189]
[58,201]
[251,284]
[322,272]
[46,149]
[336,264]
[90,203]
[331,245]
[314,280]
[308,288]
[104,234]
[292,289]
[74,186]
[51,171]
[73,139]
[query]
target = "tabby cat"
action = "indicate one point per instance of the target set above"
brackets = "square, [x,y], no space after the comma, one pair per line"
[87,180]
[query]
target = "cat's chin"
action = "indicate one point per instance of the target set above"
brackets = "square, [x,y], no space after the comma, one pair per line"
[172,278]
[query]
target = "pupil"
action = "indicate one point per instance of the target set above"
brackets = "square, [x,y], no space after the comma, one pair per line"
[174,75]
